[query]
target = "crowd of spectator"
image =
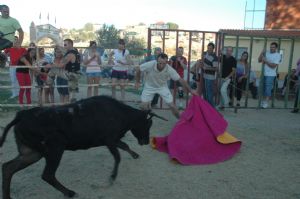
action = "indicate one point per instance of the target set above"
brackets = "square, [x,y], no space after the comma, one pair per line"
[67,65]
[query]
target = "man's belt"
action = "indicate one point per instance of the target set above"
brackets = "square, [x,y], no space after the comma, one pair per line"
[209,72]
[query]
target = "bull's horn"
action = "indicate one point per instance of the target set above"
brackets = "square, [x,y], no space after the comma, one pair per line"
[155,115]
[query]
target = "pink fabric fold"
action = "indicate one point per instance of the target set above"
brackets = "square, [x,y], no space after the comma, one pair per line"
[193,140]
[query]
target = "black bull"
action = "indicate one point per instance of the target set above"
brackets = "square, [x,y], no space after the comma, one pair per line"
[47,132]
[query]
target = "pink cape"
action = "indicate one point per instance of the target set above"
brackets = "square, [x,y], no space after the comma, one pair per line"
[199,137]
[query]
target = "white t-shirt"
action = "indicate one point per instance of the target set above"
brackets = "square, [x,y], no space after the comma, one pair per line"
[93,66]
[272,58]
[120,57]
[155,78]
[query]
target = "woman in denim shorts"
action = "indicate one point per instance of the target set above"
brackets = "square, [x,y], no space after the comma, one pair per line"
[92,61]
[62,84]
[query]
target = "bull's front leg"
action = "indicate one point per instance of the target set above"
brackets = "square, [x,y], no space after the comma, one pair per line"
[115,152]
[125,147]
[53,157]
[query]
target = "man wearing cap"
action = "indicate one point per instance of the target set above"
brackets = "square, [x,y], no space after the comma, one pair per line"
[8,27]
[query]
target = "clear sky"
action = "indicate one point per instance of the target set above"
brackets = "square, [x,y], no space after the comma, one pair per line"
[188,14]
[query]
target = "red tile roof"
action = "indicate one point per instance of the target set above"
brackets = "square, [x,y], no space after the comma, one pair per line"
[263,33]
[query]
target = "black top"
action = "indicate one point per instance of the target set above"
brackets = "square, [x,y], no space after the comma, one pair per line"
[228,64]
[73,67]
[20,63]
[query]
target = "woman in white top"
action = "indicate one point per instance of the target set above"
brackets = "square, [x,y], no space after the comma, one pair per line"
[92,61]
[120,67]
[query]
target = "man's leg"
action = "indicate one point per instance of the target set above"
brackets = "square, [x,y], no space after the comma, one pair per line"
[252,89]
[145,106]
[73,86]
[209,91]
[180,95]
[268,86]
[146,98]
[14,82]
[174,110]
[167,96]
[155,99]
[224,93]
[296,106]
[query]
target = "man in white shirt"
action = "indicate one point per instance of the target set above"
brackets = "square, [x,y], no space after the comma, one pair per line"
[270,60]
[156,74]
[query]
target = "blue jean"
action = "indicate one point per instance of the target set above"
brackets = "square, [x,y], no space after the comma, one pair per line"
[268,85]
[94,74]
[14,81]
[209,91]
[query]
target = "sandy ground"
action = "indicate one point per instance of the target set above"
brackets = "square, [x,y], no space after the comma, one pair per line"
[267,167]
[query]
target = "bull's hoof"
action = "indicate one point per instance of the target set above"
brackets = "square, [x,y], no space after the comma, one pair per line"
[70,194]
[135,156]
[112,180]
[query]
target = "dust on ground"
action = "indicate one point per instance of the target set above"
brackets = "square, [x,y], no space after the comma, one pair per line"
[267,166]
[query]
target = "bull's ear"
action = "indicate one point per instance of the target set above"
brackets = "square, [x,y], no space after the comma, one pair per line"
[151,114]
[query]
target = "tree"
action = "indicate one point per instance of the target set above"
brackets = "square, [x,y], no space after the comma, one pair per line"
[135,46]
[88,27]
[172,25]
[108,36]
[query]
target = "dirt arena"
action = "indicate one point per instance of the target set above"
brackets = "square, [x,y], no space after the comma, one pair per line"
[267,167]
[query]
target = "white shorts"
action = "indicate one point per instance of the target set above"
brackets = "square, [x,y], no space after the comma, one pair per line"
[164,92]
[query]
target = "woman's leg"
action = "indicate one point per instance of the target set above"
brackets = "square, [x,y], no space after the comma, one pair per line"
[51,93]
[40,96]
[46,95]
[28,90]
[89,89]
[238,91]
[122,86]
[113,87]
[21,81]
[96,88]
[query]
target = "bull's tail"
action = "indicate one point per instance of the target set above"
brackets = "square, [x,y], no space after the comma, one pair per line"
[6,129]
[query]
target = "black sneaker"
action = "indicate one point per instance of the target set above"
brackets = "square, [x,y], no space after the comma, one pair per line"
[221,108]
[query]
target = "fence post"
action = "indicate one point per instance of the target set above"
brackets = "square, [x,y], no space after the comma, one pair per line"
[286,97]
[249,71]
[261,82]
[234,79]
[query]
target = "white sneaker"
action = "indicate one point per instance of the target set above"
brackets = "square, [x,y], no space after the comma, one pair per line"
[180,105]
[13,96]
[264,104]
[220,107]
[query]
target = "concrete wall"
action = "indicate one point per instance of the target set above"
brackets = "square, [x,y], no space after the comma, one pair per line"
[282,14]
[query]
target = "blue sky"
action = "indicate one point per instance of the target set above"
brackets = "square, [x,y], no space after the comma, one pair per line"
[189,14]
